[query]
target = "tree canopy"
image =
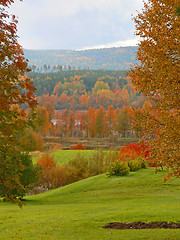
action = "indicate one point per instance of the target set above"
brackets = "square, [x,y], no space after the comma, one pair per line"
[157,77]
[15,88]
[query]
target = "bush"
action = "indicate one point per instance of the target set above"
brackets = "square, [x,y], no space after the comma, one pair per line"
[79,146]
[143,163]
[136,164]
[79,168]
[32,141]
[118,168]
[134,151]
[46,162]
[96,163]
[53,176]
[48,166]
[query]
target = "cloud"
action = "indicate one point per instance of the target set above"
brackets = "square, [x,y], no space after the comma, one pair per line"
[68,8]
[74,24]
[126,43]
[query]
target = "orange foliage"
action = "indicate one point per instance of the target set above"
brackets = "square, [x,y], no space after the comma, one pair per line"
[46,162]
[156,76]
[13,90]
[84,99]
[133,151]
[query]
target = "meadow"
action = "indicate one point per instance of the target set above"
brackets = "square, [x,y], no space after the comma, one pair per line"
[62,157]
[80,210]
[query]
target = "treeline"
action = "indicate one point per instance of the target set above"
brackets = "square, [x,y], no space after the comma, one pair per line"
[46,82]
[81,89]
[90,123]
[93,122]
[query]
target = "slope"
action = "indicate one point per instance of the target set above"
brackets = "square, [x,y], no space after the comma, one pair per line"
[80,210]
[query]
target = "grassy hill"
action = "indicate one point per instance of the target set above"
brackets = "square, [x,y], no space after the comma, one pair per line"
[80,210]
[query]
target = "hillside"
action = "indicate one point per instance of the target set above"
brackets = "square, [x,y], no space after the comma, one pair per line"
[108,58]
[80,210]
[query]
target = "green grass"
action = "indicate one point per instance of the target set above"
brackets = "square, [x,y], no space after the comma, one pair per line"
[80,210]
[64,156]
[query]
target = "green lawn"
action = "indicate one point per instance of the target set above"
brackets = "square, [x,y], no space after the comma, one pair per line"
[80,210]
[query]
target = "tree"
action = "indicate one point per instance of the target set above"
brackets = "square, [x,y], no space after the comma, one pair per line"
[99,85]
[91,123]
[50,109]
[42,122]
[100,122]
[110,119]
[71,123]
[31,141]
[28,175]
[15,88]
[157,77]
[123,122]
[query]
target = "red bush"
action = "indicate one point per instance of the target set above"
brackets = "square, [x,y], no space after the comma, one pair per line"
[79,146]
[133,151]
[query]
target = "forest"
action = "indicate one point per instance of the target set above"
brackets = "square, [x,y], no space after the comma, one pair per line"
[81,89]
[108,58]
[83,103]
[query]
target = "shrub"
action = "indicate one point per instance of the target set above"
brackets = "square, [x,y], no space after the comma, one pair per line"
[118,168]
[133,151]
[96,163]
[79,168]
[79,146]
[46,162]
[32,141]
[134,165]
[53,176]
[57,177]
[143,163]
[110,157]
[48,166]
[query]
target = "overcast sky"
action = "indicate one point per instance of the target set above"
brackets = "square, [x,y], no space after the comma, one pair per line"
[76,24]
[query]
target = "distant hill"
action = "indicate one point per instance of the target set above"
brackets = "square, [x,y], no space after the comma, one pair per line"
[108,58]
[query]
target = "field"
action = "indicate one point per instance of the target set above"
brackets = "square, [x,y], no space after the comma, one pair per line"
[62,157]
[80,210]
[92,145]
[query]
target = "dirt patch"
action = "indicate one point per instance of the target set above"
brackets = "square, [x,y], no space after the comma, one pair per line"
[142,225]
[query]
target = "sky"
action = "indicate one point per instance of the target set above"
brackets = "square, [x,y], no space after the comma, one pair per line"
[76,24]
